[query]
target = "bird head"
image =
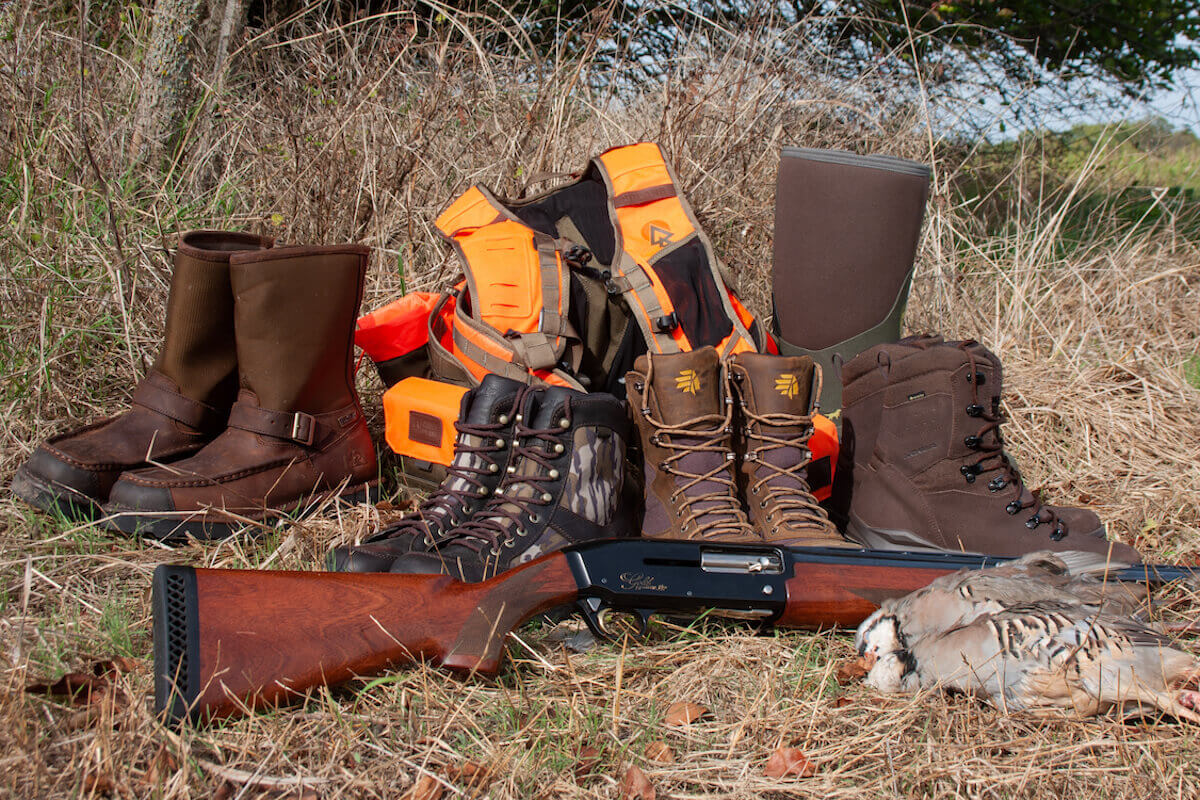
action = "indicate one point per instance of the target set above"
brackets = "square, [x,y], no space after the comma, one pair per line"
[893,671]
[879,634]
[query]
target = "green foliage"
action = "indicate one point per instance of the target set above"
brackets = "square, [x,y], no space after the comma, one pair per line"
[1137,43]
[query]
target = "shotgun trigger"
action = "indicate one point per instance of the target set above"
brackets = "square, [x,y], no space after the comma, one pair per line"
[595,614]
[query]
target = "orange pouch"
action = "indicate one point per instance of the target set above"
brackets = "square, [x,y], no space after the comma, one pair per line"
[419,416]
[396,336]
[823,444]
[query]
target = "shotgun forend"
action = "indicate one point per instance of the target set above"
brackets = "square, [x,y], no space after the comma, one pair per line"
[229,641]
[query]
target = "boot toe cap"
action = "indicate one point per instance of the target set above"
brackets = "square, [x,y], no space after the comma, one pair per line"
[48,479]
[1085,531]
[130,494]
[422,564]
[364,558]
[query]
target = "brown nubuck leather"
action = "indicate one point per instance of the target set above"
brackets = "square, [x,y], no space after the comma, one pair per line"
[296,436]
[181,404]
[776,398]
[681,406]
[930,471]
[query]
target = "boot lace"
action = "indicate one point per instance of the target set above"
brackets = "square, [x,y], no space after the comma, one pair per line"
[710,433]
[784,488]
[463,483]
[501,523]
[989,443]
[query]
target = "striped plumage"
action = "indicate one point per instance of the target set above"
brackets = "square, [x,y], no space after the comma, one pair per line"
[1029,643]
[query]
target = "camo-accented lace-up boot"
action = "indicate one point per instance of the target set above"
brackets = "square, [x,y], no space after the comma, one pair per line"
[481,452]
[776,395]
[564,484]
[937,476]
[684,414]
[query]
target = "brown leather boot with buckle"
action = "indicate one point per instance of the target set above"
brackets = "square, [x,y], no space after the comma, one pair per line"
[296,436]
[684,415]
[776,397]
[176,409]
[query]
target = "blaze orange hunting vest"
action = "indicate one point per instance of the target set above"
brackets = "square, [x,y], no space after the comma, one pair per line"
[622,223]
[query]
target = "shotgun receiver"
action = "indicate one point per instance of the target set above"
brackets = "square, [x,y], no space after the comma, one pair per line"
[228,641]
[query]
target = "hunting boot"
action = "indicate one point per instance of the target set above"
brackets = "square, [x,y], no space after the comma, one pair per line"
[179,406]
[862,403]
[296,436]
[846,232]
[481,452]
[564,485]
[684,415]
[776,397]
[938,477]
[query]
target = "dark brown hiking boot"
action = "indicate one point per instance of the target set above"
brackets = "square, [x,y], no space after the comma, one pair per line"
[938,477]
[176,409]
[564,485]
[482,449]
[296,436]
[776,395]
[684,415]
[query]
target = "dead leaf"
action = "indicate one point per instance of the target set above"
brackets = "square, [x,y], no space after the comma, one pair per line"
[427,787]
[843,701]
[586,762]
[472,776]
[789,761]
[684,713]
[636,786]
[658,751]
[851,671]
[99,783]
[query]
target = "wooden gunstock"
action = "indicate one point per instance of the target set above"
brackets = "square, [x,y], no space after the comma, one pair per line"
[823,595]
[229,640]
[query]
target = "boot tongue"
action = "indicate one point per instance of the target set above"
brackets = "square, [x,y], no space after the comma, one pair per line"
[552,408]
[781,384]
[687,385]
[491,398]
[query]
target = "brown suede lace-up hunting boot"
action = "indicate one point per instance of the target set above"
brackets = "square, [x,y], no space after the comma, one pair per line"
[296,435]
[776,397]
[481,453]
[176,409]
[684,414]
[565,484]
[937,477]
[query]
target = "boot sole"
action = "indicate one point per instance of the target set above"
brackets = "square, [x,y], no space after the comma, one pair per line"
[54,498]
[179,526]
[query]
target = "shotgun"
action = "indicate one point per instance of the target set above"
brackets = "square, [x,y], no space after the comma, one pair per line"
[229,641]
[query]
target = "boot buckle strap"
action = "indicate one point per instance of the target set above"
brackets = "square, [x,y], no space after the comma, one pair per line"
[298,427]
[156,394]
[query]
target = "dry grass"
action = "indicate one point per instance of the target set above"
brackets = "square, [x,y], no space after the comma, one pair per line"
[323,135]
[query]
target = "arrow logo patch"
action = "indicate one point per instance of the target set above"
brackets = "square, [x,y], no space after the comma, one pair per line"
[658,234]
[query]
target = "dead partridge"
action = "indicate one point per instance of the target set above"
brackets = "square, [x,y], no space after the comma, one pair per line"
[1070,579]
[1042,657]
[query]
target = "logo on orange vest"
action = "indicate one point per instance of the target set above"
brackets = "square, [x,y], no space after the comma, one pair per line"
[787,385]
[657,233]
[687,381]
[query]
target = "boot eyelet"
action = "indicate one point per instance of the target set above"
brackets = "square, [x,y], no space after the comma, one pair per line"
[495,551]
[678,512]
[564,423]
[428,540]
[519,418]
[502,419]
[1058,533]
[558,447]
[493,467]
[996,484]
[972,442]
[1013,508]
[974,410]
[510,541]
[547,497]
[534,519]
[762,504]
[483,491]
[499,443]
[512,470]
[754,489]
[654,439]
[554,474]
[639,386]
[979,379]
[1033,522]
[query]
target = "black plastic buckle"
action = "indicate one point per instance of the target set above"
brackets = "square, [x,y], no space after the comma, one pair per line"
[667,322]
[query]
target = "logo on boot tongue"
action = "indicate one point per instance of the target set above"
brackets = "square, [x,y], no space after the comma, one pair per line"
[787,385]
[687,381]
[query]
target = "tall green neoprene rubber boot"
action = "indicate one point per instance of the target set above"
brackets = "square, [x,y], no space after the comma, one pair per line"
[846,230]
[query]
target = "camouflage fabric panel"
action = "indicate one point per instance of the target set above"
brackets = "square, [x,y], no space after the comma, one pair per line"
[597,469]
[548,542]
